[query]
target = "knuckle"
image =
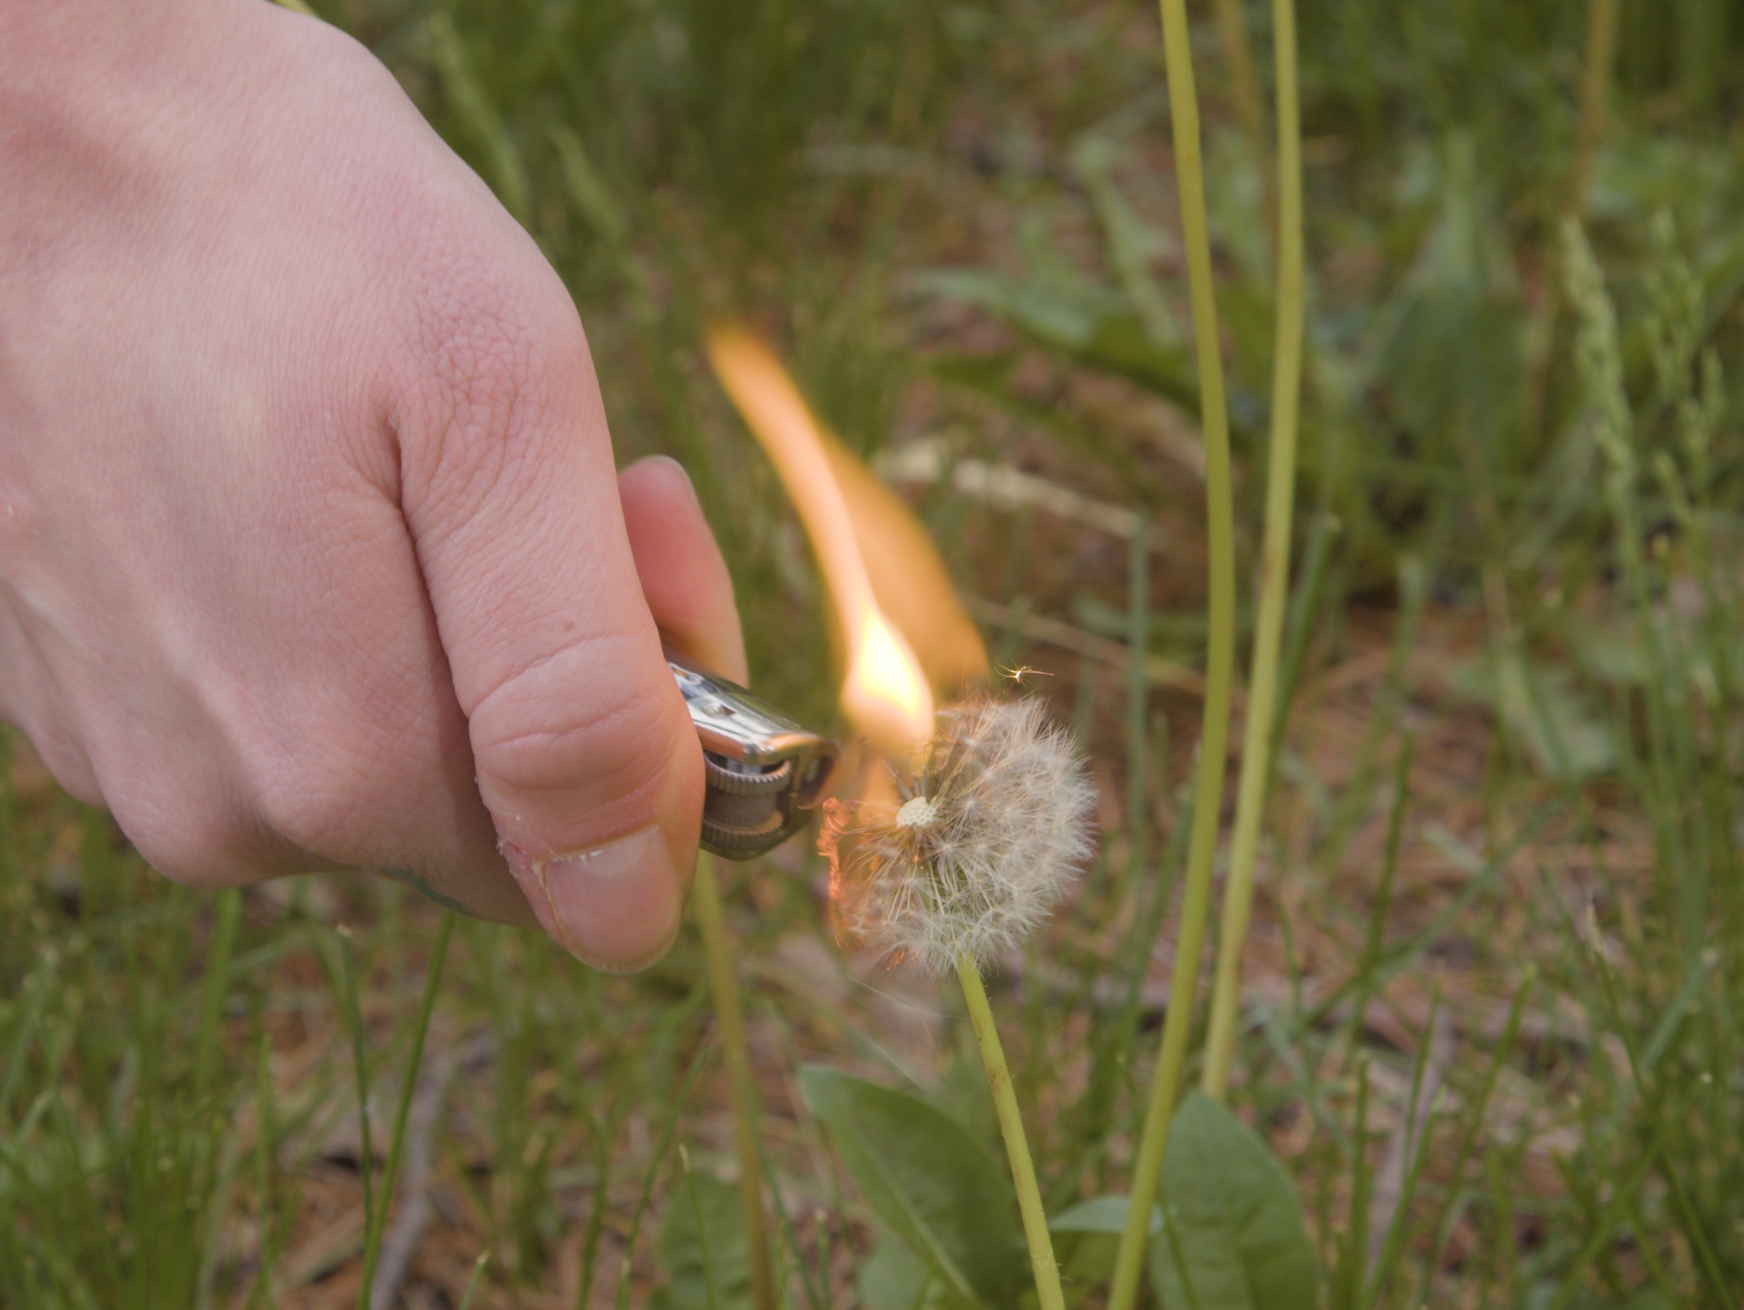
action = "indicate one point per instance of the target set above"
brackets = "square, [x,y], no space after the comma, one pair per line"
[66,761]
[482,357]
[481,375]
[613,745]
[182,839]
[252,798]
[602,763]
[331,778]
[310,807]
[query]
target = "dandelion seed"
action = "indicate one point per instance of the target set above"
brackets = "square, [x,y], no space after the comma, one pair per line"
[988,837]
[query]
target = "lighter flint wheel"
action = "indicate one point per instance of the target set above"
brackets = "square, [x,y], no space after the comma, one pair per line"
[743,809]
[739,783]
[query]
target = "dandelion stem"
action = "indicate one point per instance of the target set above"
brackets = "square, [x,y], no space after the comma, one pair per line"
[1029,1197]
[1257,734]
[705,897]
[1219,664]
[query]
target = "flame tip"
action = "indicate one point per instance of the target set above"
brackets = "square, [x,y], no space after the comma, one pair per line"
[886,692]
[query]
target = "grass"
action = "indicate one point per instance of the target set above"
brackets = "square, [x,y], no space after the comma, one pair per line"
[1500,859]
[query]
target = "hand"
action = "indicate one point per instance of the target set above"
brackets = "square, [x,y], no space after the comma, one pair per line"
[312,554]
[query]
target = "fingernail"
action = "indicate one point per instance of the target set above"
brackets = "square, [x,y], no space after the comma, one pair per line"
[615,908]
[682,471]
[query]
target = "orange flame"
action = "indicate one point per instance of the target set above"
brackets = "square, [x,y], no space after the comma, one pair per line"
[909,579]
[885,693]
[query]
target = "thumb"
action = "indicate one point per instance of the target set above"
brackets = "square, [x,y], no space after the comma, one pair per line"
[585,755]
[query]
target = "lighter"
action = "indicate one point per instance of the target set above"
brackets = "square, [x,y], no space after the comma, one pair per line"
[763,770]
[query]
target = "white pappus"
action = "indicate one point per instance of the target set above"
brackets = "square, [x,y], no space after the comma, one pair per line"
[988,837]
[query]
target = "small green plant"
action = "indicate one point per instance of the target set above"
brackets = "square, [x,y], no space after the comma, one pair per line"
[990,831]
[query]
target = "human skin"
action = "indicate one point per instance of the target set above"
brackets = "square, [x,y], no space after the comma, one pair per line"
[312,552]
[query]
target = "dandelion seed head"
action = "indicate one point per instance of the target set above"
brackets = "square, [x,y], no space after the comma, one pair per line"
[990,833]
[919,812]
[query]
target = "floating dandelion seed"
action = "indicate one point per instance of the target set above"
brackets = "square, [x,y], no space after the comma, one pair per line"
[985,842]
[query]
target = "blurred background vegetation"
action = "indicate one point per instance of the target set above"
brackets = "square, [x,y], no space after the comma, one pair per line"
[1501,891]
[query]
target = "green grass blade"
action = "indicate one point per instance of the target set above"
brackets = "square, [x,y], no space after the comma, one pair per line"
[229,912]
[408,1084]
[1138,690]
[265,1136]
[596,1219]
[659,1158]
[472,1282]
[342,975]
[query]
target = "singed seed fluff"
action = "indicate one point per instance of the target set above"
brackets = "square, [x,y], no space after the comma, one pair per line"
[988,837]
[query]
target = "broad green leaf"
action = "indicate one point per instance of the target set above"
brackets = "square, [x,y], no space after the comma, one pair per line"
[1232,1235]
[892,1277]
[895,1278]
[928,1181]
[702,1248]
[1100,1214]
[1086,1239]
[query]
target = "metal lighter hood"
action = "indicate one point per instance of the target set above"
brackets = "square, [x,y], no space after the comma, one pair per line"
[763,770]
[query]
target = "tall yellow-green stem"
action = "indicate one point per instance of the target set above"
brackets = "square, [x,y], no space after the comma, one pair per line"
[1257,735]
[1029,1196]
[1249,105]
[705,897]
[1220,659]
